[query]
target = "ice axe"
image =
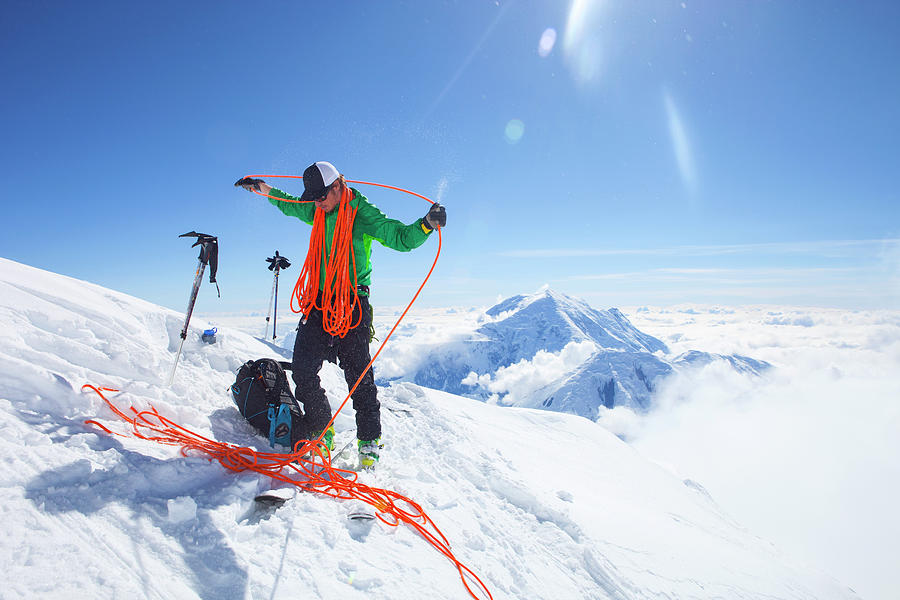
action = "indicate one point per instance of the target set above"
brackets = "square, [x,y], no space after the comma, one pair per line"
[209,255]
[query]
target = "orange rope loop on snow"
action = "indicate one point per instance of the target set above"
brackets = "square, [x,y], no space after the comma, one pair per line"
[309,467]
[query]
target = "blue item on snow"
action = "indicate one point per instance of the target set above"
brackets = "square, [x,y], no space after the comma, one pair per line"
[209,335]
[279,425]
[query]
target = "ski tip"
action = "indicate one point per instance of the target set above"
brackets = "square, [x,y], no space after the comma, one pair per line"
[269,501]
[361,516]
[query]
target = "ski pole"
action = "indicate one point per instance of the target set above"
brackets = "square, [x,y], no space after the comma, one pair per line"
[276,263]
[209,254]
[275,316]
[269,314]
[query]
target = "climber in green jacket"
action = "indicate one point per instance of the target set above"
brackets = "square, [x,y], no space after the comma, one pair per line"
[324,187]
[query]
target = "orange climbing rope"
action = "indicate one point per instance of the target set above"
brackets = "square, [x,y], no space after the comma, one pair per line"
[338,291]
[325,282]
[408,306]
[308,467]
[338,297]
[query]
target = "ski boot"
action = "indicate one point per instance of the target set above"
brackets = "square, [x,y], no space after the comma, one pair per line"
[369,452]
[327,443]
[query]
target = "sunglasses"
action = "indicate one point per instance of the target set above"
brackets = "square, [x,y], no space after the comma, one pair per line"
[324,193]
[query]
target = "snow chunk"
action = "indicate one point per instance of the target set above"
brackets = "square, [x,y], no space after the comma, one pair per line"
[181,509]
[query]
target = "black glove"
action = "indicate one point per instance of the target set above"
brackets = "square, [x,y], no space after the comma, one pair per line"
[248,183]
[436,217]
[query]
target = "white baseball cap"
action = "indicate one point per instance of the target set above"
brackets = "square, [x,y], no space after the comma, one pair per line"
[316,178]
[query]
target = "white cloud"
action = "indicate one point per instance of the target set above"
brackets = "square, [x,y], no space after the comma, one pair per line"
[807,456]
[834,248]
[421,331]
[474,379]
[518,381]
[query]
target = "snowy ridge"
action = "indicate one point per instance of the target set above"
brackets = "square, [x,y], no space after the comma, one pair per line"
[547,320]
[743,364]
[92,515]
[622,369]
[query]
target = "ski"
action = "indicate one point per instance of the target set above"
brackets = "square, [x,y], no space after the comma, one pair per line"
[341,451]
[275,498]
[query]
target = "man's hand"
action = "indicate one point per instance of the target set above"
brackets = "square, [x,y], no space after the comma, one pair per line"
[250,184]
[436,217]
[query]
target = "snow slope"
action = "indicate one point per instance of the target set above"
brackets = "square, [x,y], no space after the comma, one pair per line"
[539,504]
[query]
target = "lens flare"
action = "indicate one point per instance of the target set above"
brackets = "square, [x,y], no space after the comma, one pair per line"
[680,143]
[548,40]
[583,44]
[515,129]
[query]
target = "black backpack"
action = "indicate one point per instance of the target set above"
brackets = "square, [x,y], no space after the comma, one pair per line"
[263,396]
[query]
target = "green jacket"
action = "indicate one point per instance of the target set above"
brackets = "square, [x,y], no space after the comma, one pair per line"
[369,224]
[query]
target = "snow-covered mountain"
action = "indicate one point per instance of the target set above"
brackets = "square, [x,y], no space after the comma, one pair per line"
[503,358]
[91,515]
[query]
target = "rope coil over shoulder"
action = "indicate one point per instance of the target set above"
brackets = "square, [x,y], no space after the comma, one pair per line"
[339,293]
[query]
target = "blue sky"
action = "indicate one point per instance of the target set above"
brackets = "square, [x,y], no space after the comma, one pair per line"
[653,153]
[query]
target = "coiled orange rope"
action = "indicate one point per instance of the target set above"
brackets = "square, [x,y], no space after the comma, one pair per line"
[339,293]
[307,467]
[338,297]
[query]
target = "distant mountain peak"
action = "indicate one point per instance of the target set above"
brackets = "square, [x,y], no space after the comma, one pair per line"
[521,331]
[557,319]
[521,301]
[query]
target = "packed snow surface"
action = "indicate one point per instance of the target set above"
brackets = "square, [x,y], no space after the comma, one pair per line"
[539,504]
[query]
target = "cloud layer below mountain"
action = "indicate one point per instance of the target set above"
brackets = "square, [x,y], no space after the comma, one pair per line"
[807,455]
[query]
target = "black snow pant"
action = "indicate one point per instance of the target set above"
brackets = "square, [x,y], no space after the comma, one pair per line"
[313,347]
